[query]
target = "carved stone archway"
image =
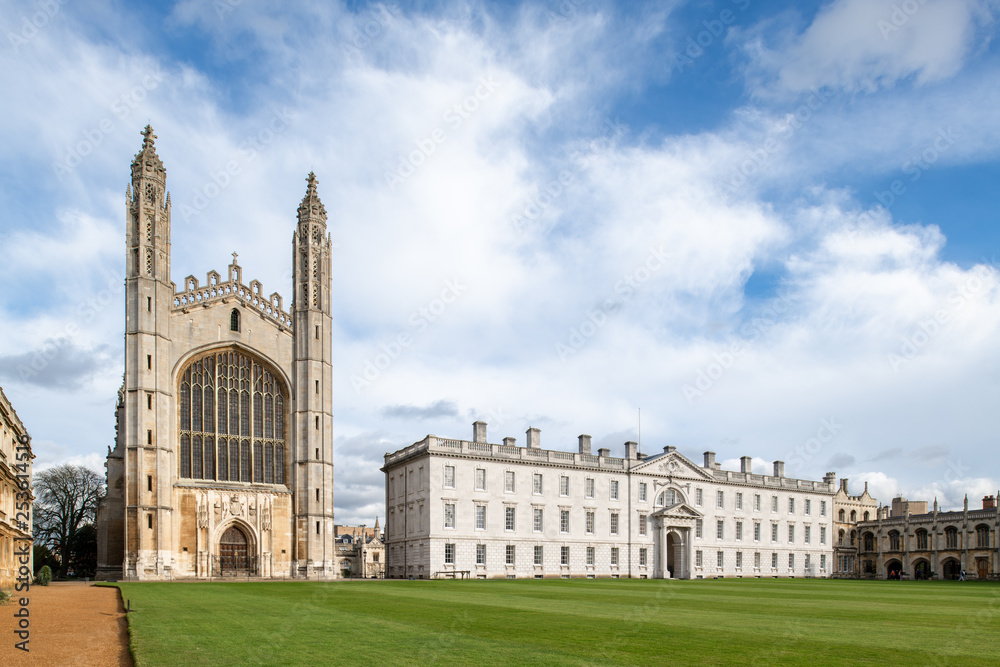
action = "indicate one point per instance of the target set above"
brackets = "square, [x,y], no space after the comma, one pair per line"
[673,528]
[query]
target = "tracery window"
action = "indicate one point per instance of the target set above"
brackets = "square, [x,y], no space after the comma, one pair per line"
[894,540]
[982,536]
[232,420]
[921,539]
[951,537]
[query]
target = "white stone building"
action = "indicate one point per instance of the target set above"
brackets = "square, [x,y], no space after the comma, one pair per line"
[458,508]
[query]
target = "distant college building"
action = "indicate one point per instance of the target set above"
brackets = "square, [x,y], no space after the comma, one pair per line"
[469,508]
[848,511]
[15,524]
[223,459]
[907,538]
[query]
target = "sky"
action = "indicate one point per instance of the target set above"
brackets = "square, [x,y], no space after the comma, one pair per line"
[761,229]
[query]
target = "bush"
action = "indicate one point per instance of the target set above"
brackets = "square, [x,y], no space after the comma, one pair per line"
[44,576]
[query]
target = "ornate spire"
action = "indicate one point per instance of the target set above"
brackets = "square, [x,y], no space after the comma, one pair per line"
[147,163]
[311,207]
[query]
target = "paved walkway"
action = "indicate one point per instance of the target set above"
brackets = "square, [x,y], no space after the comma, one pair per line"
[71,624]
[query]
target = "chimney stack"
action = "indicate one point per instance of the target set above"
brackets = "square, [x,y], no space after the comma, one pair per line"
[843,486]
[534,438]
[710,460]
[510,442]
[669,449]
[779,468]
[989,502]
[745,463]
[630,449]
[604,452]
[830,477]
[584,443]
[479,431]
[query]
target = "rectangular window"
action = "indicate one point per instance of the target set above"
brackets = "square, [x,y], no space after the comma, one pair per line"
[508,518]
[822,508]
[720,499]
[563,485]
[756,531]
[614,523]
[774,561]
[538,555]
[564,555]
[791,505]
[739,530]
[698,497]
[480,554]
[719,559]
[536,483]
[822,534]
[614,489]
[317,386]
[588,487]
[739,559]
[774,503]
[480,479]
[774,532]
[808,534]
[590,556]
[149,521]
[698,558]
[720,528]
[508,481]
[808,506]
[480,517]
[642,556]
[563,521]
[756,502]
[449,477]
[149,436]
[697,527]
[149,362]
[449,515]
[791,561]
[614,555]
[822,562]
[642,525]
[536,519]
[590,522]
[739,501]
[642,492]
[510,554]
[149,482]
[756,560]
[791,534]
[149,401]
[449,554]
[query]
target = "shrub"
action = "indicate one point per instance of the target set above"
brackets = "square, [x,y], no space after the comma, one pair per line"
[44,576]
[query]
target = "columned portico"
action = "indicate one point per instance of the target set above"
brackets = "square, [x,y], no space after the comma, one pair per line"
[672,551]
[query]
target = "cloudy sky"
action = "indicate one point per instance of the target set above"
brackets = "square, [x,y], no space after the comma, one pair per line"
[771,227]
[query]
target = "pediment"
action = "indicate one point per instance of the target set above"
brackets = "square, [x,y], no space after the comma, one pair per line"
[678,511]
[674,465]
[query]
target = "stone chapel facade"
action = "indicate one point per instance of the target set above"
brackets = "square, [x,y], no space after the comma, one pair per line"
[223,459]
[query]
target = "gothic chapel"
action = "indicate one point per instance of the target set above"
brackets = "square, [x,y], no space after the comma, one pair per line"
[222,462]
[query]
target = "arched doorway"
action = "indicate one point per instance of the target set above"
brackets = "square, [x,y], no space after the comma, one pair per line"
[922,570]
[671,546]
[951,568]
[893,569]
[234,552]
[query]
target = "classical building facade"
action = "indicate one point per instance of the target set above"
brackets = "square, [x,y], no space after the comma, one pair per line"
[469,508]
[848,511]
[16,496]
[906,538]
[223,455]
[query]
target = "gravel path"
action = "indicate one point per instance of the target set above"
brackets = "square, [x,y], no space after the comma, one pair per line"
[71,624]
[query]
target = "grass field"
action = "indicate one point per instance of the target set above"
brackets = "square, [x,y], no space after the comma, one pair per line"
[559,622]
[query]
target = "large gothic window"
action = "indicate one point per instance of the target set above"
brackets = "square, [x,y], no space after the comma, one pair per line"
[232,420]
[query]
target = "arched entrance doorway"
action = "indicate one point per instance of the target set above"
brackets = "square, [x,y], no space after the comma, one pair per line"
[234,551]
[893,569]
[922,570]
[951,569]
[672,544]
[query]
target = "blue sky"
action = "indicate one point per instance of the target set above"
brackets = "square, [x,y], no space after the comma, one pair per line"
[751,220]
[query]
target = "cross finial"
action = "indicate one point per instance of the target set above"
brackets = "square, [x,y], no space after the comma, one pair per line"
[234,257]
[147,136]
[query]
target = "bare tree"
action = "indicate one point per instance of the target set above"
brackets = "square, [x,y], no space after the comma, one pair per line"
[66,500]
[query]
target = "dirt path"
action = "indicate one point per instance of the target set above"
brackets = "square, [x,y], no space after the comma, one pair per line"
[71,624]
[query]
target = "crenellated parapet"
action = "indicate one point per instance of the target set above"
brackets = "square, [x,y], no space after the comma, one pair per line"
[248,295]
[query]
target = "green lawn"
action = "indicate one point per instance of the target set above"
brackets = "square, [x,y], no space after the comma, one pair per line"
[559,622]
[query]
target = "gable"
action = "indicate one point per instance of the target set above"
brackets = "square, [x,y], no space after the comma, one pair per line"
[674,465]
[679,511]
